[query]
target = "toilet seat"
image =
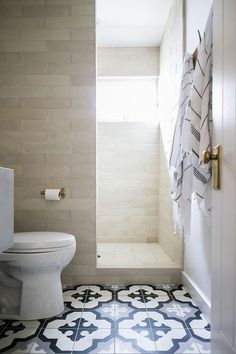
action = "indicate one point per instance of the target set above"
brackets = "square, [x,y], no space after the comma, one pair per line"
[40,242]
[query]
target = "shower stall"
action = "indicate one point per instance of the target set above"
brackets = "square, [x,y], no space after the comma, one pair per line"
[134,209]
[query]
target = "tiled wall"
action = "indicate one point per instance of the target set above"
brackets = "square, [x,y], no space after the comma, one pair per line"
[47,117]
[171,57]
[128,182]
[130,61]
[47,125]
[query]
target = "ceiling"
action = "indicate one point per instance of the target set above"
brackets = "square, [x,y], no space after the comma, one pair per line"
[131,23]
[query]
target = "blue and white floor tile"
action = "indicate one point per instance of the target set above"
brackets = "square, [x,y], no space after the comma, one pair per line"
[114,319]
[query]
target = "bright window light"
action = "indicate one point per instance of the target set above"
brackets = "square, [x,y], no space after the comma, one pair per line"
[127,99]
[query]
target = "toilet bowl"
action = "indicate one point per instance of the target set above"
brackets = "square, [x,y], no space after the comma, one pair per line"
[30,275]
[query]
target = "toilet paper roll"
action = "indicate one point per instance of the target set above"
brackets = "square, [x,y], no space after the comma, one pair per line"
[52,194]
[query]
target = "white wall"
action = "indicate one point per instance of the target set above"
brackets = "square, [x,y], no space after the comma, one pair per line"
[197,248]
[196,17]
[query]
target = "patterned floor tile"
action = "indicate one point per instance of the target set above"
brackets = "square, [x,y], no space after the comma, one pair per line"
[98,295]
[203,346]
[202,335]
[169,340]
[94,340]
[154,297]
[160,320]
[20,348]
[112,319]
[123,312]
[75,297]
[137,319]
[106,311]
[178,292]
[154,290]
[68,319]
[174,309]
[18,338]
[132,296]
[134,340]
[94,319]
[197,321]
[25,324]
[58,340]
[189,347]
[169,309]
[3,324]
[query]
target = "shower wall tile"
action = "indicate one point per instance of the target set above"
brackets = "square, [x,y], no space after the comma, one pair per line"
[171,57]
[47,118]
[127,182]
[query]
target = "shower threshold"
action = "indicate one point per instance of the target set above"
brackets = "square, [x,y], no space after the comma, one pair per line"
[133,255]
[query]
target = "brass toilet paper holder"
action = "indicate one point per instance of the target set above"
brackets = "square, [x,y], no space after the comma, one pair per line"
[62,193]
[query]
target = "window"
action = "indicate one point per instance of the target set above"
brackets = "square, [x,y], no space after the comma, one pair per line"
[126,99]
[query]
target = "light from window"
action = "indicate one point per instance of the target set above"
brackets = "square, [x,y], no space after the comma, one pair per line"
[127,99]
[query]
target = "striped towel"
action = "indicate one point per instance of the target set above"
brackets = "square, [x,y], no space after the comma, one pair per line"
[180,161]
[192,135]
[196,135]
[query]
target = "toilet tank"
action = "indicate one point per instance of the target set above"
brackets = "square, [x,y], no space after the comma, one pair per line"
[6,208]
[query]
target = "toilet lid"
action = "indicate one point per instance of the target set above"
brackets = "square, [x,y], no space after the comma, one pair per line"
[41,241]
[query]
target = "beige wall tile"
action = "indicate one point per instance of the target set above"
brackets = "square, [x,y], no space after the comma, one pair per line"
[22,46]
[82,69]
[70,22]
[9,80]
[45,35]
[72,2]
[82,9]
[46,57]
[46,80]
[83,34]
[62,147]
[22,2]
[21,23]
[10,91]
[45,11]
[9,102]
[79,46]
[83,80]
[83,56]
[46,126]
[15,69]
[52,102]
[10,11]
[9,58]
[44,170]
[12,136]
[9,34]
[124,202]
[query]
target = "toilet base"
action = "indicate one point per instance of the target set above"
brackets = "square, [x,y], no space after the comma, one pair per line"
[30,284]
[37,302]
[49,301]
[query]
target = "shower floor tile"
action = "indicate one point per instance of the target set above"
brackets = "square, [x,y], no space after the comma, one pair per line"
[132,255]
[114,320]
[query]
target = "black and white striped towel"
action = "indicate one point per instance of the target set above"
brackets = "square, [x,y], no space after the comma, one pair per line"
[192,134]
[198,119]
[180,161]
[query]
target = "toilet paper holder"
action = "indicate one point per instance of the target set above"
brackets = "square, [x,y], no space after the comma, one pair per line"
[62,193]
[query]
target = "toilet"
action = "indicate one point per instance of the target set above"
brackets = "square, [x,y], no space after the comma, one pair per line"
[30,275]
[30,264]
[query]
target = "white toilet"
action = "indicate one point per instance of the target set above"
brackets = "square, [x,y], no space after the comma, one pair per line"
[30,275]
[30,264]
